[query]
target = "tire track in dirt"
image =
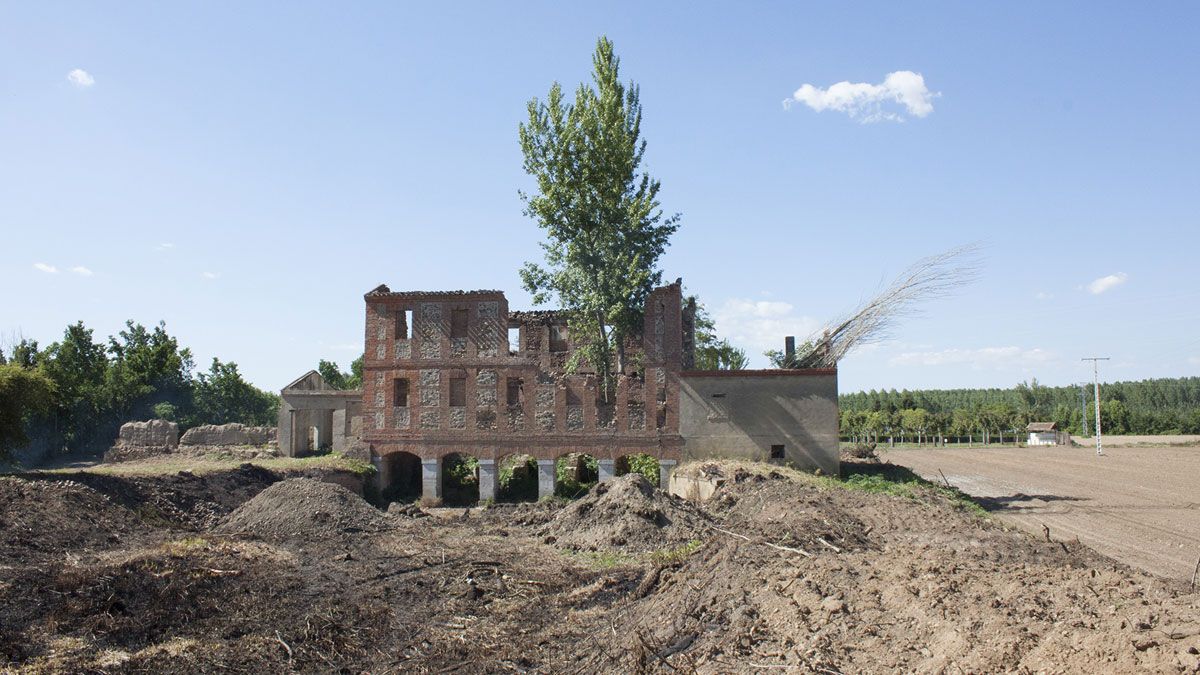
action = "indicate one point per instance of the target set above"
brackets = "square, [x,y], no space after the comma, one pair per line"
[1137,505]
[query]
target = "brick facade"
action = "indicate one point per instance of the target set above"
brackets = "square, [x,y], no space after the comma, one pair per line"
[439,377]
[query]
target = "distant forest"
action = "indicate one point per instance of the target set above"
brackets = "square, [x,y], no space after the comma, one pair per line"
[1162,406]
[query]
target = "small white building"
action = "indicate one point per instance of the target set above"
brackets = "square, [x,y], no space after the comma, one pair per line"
[1042,433]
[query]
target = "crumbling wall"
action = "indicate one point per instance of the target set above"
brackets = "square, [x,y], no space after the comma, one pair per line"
[138,440]
[215,435]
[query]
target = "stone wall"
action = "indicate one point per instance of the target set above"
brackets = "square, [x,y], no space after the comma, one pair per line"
[213,435]
[138,440]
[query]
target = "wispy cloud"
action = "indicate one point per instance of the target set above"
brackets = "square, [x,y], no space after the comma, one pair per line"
[81,78]
[1107,283]
[868,102]
[43,267]
[81,271]
[998,358]
[1042,295]
[166,246]
[759,325]
[210,275]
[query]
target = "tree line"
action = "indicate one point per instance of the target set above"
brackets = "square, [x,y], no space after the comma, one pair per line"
[1157,406]
[75,393]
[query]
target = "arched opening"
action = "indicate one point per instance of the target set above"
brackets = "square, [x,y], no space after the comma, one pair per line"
[460,479]
[403,477]
[575,473]
[517,480]
[647,465]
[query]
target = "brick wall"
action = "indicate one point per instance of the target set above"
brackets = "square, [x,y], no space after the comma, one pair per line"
[449,348]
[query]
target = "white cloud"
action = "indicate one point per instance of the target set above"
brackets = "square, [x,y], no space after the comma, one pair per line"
[211,275]
[998,358]
[1107,283]
[81,271]
[163,247]
[81,78]
[1042,295]
[43,267]
[866,102]
[759,325]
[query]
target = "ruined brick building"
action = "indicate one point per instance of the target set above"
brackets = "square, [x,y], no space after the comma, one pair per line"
[458,373]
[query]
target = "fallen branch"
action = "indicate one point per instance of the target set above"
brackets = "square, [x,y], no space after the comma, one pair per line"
[1195,572]
[279,639]
[946,480]
[835,549]
[789,549]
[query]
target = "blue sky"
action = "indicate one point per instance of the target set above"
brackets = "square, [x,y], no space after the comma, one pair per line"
[246,171]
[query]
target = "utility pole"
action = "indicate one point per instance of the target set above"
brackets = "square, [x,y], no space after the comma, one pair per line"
[1096,382]
[1083,408]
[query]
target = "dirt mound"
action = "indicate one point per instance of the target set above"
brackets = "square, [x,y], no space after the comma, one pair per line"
[182,499]
[774,509]
[304,508]
[627,514]
[905,584]
[40,519]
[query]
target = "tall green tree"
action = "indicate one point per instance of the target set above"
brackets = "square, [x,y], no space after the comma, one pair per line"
[605,229]
[332,374]
[78,366]
[24,393]
[147,367]
[713,353]
[221,396]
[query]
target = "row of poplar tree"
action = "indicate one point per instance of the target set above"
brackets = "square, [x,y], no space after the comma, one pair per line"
[1157,406]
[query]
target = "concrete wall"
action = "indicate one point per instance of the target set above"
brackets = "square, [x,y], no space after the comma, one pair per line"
[309,402]
[741,414]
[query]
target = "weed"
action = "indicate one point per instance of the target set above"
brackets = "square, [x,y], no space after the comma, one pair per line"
[674,556]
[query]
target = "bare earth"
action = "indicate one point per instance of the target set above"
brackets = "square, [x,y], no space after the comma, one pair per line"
[1138,505]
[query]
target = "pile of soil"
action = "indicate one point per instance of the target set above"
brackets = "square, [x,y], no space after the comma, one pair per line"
[770,507]
[791,575]
[905,584]
[627,514]
[304,508]
[42,519]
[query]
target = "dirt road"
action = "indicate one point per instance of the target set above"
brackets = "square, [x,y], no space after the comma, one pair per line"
[1138,505]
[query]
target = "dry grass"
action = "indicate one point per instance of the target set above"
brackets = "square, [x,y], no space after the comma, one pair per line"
[212,463]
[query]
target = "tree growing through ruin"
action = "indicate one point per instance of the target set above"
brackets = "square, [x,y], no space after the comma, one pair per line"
[605,229]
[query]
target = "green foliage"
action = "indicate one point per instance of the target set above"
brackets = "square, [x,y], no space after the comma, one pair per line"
[711,353]
[166,411]
[900,482]
[600,211]
[140,373]
[575,474]
[644,464]
[674,556]
[1159,406]
[334,377]
[25,393]
[221,396]
[518,478]
[460,480]
[145,365]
